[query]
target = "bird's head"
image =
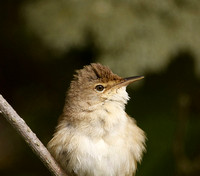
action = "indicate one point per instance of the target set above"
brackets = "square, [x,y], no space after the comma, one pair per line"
[96,84]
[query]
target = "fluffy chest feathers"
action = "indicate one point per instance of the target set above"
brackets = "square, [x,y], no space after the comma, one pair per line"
[109,144]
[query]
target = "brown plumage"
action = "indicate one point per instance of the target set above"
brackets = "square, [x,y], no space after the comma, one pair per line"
[95,137]
[96,72]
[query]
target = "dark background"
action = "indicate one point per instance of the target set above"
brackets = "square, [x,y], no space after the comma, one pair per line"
[33,79]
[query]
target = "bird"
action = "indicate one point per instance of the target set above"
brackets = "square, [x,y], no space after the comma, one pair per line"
[94,135]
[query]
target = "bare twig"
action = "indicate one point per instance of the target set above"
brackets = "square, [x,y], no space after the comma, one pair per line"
[23,129]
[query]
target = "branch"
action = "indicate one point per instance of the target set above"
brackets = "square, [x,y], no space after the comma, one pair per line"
[35,144]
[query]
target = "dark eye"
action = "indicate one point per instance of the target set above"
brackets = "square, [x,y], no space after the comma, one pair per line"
[99,88]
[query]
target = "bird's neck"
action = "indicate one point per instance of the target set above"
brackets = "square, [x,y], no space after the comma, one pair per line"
[97,119]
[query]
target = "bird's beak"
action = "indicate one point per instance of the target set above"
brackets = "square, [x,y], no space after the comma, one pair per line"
[127,81]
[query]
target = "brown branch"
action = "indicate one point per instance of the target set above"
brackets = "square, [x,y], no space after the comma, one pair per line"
[35,144]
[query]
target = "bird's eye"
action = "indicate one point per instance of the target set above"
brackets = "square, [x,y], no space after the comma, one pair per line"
[99,88]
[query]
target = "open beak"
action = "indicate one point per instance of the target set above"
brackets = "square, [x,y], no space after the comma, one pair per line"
[127,81]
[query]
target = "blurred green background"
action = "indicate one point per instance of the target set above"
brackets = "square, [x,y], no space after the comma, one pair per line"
[42,42]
